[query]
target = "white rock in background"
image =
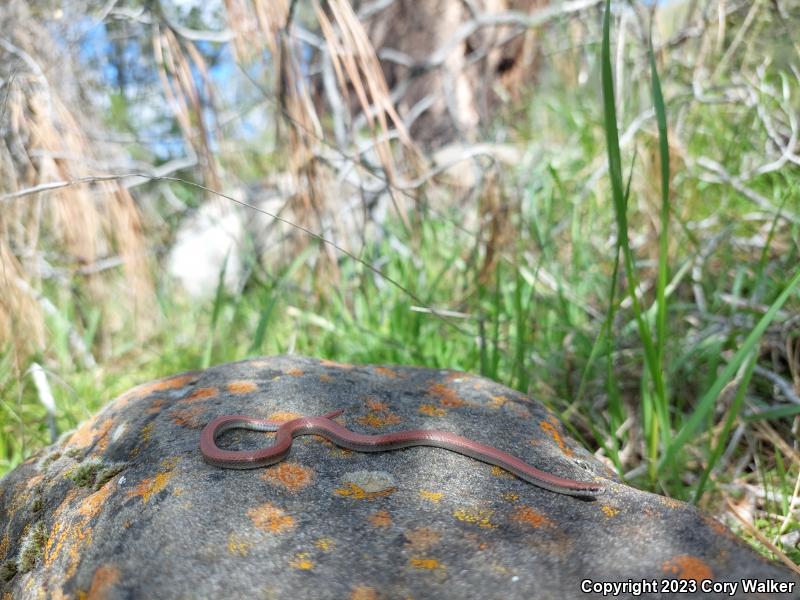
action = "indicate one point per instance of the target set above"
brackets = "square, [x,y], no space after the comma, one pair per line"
[203,243]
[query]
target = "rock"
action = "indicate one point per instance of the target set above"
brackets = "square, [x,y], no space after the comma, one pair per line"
[209,242]
[126,507]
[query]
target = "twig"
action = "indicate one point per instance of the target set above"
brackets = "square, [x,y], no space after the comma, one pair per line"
[720,175]
[373,8]
[520,19]
[780,382]
[34,66]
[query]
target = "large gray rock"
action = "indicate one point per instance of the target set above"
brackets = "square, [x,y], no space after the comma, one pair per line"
[127,508]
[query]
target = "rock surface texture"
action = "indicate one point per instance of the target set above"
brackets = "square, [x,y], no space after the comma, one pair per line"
[126,507]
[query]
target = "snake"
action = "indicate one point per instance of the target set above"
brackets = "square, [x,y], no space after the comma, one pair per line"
[326,427]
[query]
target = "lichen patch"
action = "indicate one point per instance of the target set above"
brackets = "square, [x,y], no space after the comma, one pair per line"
[429,410]
[202,394]
[551,430]
[242,387]
[302,561]
[481,517]
[351,490]
[428,564]
[105,578]
[386,372]
[380,519]
[238,546]
[270,518]
[525,515]
[448,398]
[379,419]
[430,496]
[685,566]
[150,486]
[289,475]
[422,539]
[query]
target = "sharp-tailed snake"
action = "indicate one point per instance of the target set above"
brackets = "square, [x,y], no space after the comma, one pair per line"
[325,426]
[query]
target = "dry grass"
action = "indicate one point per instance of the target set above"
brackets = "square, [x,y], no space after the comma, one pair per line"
[57,238]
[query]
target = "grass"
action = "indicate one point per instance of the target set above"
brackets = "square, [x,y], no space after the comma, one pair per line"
[593,306]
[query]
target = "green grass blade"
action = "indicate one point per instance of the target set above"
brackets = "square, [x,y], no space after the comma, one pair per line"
[733,413]
[263,321]
[219,297]
[706,403]
[777,412]
[663,249]
[659,400]
[663,151]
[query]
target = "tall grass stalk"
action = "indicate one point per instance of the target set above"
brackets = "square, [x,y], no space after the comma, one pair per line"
[654,405]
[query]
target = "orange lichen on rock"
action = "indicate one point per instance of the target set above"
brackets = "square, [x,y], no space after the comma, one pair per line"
[295,372]
[144,437]
[102,434]
[511,496]
[34,481]
[147,432]
[146,389]
[324,544]
[670,502]
[270,518]
[386,372]
[501,472]
[237,546]
[376,405]
[497,401]
[423,539]
[380,519]
[19,498]
[156,406]
[430,410]
[481,517]
[430,564]
[202,394]
[434,497]
[358,493]
[88,432]
[685,566]
[103,581]
[379,419]
[336,365]
[302,561]
[289,475]
[364,592]
[52,548]
[188,417]
[719,528]
[152,485]
[241,387]
[609,511]
[74,537]
[447,397]
[283,416]
[550,429]
[91,505]
[530,517]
